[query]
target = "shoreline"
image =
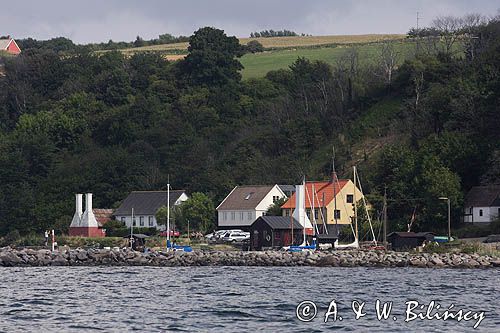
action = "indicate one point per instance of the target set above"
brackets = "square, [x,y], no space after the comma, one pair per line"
[354,258]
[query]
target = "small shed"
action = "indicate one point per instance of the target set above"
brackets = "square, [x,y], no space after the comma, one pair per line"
[274,232]
[138,242]
[408,240]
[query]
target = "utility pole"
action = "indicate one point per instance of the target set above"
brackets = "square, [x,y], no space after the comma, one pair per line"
[384,210]
[418,33]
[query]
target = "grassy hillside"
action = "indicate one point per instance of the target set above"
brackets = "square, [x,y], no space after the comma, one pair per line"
[258,64]
[283,51]
[279,42]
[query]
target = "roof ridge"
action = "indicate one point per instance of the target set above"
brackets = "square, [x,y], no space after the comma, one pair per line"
[156,191]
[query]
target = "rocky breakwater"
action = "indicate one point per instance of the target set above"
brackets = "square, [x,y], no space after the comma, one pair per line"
[125,257]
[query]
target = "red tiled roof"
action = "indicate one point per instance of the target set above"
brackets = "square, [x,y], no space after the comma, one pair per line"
[323,190]
[102,216]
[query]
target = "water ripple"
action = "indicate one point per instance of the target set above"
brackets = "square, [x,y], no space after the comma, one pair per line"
[229,299]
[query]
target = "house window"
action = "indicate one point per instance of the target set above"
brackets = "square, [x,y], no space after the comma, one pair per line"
[480,212]
[233,215]
[248,196]
[141,221]
[122,219]
[150,221]
[241,216]
[287,212]
[316,213]
[249,215]
[350,198]
[308,213]
[134,221]
[336,214]
[275,198]
[224,216]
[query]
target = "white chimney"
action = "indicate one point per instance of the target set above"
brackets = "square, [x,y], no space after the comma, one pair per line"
[300,207]
[77,218]
[88,218]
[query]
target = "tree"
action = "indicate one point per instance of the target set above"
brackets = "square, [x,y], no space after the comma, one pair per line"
[212,58]
[198,211]
[254,46]
[275,208]
[449,27]
[388,62]
[139,42]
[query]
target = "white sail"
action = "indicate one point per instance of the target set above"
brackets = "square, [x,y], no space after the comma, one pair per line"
[300,210]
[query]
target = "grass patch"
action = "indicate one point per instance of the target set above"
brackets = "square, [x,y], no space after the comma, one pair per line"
[258,64]
[281,42]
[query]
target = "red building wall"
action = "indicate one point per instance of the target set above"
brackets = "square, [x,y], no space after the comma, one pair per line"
[86,232]
[13,48]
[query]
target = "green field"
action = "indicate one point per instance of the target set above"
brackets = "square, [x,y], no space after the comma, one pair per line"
[258,64]
[279,42]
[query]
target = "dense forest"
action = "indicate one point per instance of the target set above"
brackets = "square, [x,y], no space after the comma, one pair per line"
[109,124]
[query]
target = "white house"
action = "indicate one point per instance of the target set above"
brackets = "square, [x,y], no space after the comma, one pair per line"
[482,204]
[245,204]
[145,205]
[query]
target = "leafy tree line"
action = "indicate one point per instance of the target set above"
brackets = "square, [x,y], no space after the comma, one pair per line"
[65,45]
[273,33]
[109,124]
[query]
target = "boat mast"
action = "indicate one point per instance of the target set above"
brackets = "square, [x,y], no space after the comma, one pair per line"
[168,211]
[132,229]
[384,210]
[334,191]
[304,212]
[355,207]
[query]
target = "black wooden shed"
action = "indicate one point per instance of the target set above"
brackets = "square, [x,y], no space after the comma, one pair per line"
[408,240]
[274,232]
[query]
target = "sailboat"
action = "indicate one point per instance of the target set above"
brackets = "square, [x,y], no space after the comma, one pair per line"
[355,231]
[300,215]
[170,245]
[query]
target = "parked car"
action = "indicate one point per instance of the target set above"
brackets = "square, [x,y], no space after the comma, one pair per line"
[172,233]
[235,236]
[217,235]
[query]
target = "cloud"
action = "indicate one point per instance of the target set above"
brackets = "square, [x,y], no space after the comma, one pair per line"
[97,20]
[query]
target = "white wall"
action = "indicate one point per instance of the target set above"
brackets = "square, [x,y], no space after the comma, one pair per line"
[128,221]
[228,218]
[267,202]
[488,214]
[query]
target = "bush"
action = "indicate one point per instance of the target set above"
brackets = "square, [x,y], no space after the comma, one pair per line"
[75,242]
[116,228]
[253,46]
[495,227]
[474,231]
[31,240]
[10,239]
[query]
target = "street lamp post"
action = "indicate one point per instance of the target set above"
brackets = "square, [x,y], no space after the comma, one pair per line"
[449,217]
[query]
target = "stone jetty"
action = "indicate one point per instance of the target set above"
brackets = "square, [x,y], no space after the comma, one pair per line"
[355,258]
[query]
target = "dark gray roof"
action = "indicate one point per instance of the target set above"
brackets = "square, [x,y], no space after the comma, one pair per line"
[146,202]
[137,236]
[287,188]
[483,196]
[280,222]
[410,234]
[245,197]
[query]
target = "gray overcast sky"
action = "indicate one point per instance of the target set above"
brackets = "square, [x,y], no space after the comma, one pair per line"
[100,20]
